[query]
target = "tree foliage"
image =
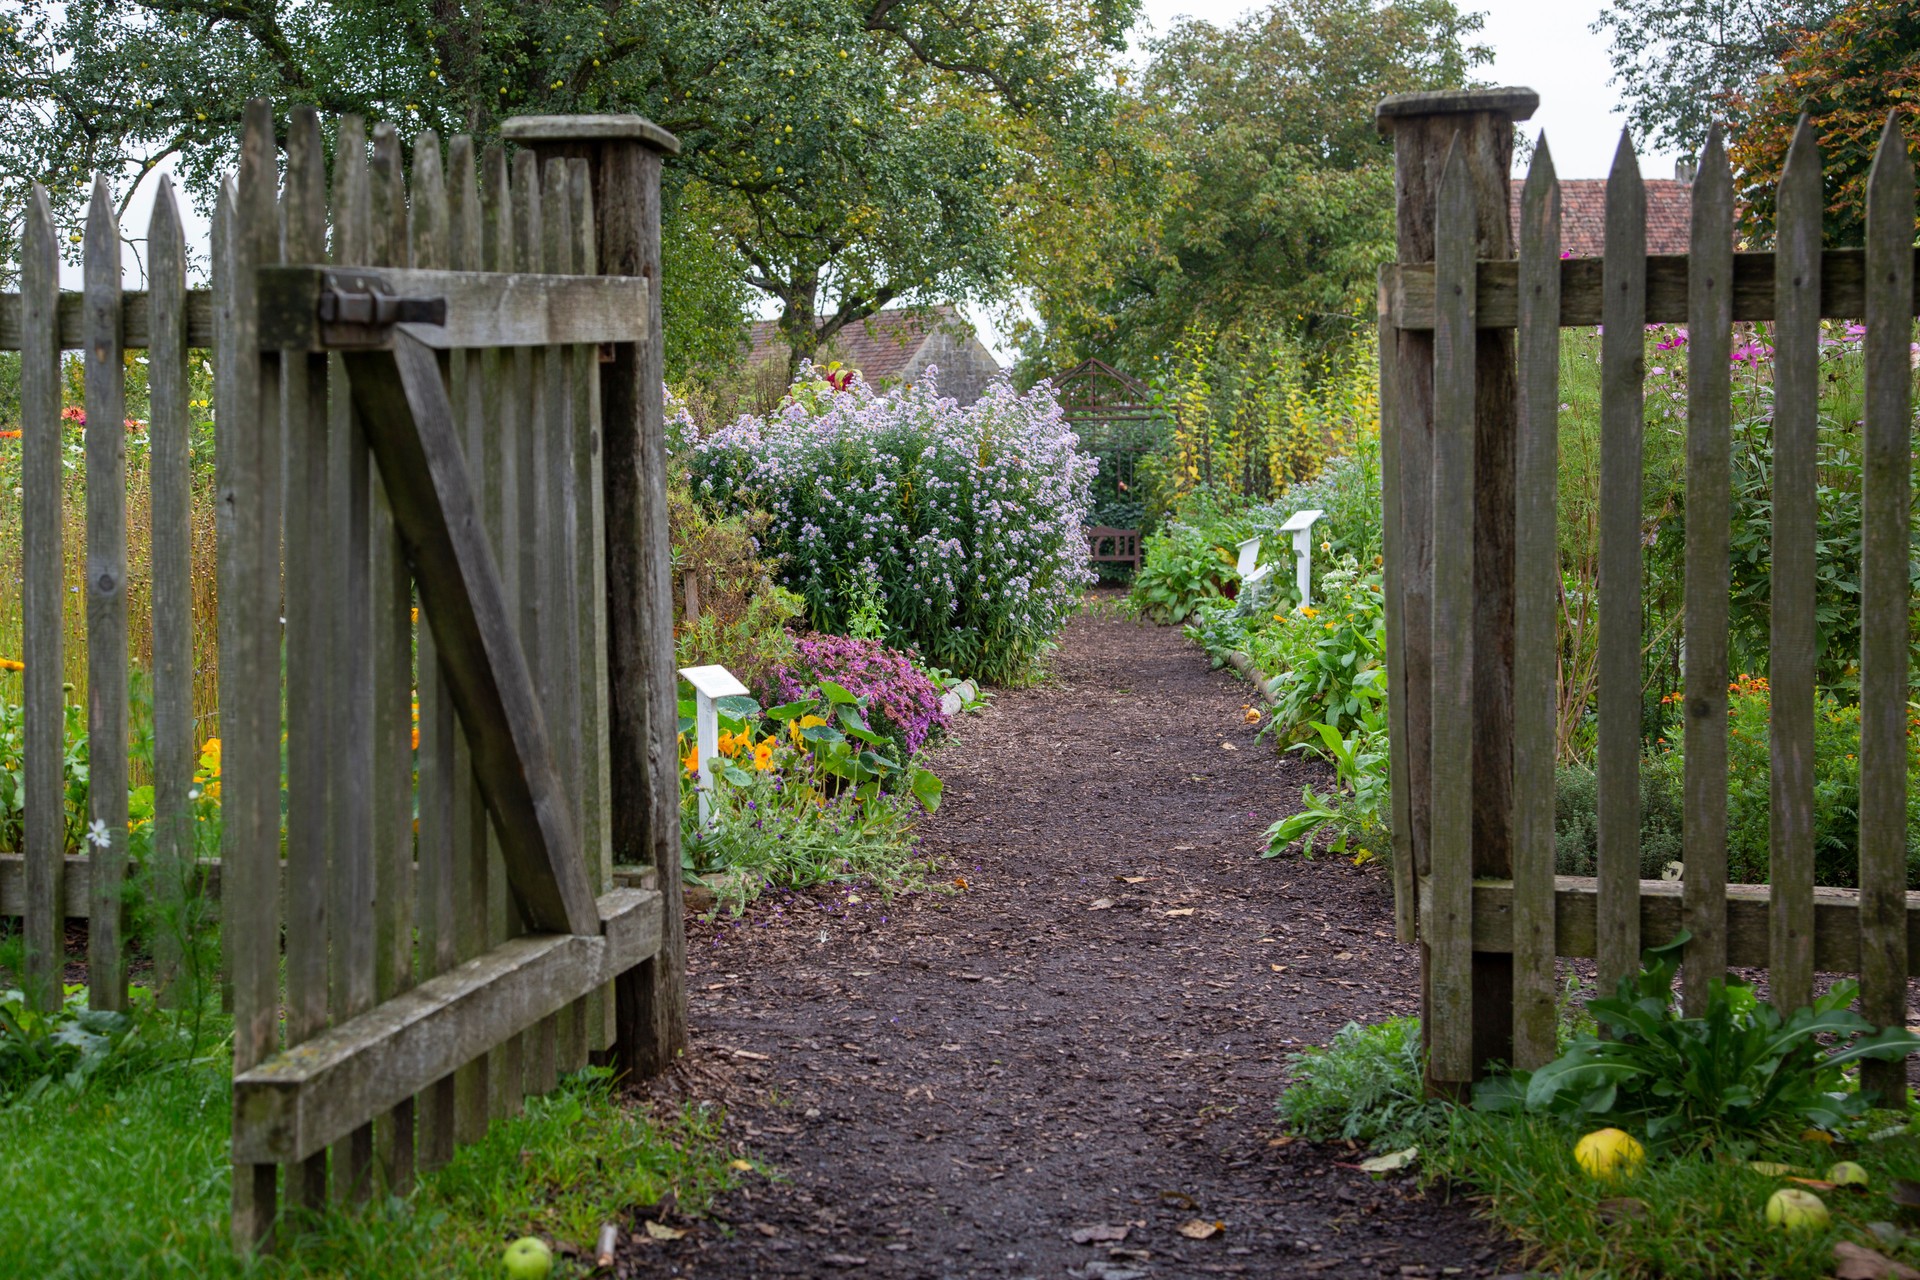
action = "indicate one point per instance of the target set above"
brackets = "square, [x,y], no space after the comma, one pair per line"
[1846,76]
[1273,200]
[838,154]
[1681,64]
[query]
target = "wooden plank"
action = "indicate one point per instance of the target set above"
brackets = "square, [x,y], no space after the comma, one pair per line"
[1708,577]
[393,687]
[247,459]
[1622,426]
[517,309]
[470,857]
[136,320]
[562,129]
[1790,672]
[419,454]
[1451,1009]
[1842,281]
[500,508]
[561,619]
[42,602]
[171,557]
[1394,584]
[206,881]
[533,465]
[435,720]
[309,638]
[1835,940]
[590,593]
[1536,578]
[226,410]
[106,597]
[350,496]
[299,1102]
[1886,517]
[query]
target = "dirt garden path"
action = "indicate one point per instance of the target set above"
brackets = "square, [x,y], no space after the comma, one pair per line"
[1091,1034]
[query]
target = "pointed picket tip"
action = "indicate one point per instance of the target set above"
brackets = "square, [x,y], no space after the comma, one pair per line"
[1804,150]
[166,208]
[1542,157]
[1714,154]
[102,249]
[39,225]
[1626,161]
[1891,163]
[100,204]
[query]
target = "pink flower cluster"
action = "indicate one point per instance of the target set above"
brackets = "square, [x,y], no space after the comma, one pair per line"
[901,702]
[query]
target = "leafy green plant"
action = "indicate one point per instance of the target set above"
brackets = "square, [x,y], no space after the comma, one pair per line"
[1738,1075]
[1184,567]
[1358,808]
[1322,656]
[1365,1086]
[62,1053]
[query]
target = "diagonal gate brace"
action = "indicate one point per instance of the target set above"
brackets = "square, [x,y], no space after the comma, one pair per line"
[410,429]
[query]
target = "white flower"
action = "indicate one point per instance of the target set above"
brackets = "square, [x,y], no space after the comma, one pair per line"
[98,836]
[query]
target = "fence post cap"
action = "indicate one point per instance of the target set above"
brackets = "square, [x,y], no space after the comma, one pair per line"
[535,129]
[1514,102]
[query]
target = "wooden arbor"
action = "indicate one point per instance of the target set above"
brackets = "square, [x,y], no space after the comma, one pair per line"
[1469,461]
[1115,416]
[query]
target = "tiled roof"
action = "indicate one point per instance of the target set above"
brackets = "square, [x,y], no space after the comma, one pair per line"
[879,346]
[1583,215]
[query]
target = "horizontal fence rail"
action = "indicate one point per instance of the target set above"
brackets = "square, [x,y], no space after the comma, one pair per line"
[1479,883]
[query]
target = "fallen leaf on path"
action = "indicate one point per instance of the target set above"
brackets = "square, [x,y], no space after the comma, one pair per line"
[1228,746]
[1100,904]
[843,1260]
[1285,1139]
[1200,1228]
[959,882]
[1857,1262]
[1770,1168]
[1100,1233]
[1181,911]
[1278,968]
[1344,955]
[1131,879]
[750,1055]
[1818,1184]
[1183,848]
[659,1231]
[1391,1162]
[1252,716]
[741,1166]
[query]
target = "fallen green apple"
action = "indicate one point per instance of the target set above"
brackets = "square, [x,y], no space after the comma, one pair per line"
[1796,1210]
[1847,1174]
[528,1258]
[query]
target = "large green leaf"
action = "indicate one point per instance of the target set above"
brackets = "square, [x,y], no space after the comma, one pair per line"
[926,788]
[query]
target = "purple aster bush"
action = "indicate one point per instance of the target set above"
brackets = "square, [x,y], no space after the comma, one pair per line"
[964,521]
[901,702]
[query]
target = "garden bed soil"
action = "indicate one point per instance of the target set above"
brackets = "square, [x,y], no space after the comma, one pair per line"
[1082,1033]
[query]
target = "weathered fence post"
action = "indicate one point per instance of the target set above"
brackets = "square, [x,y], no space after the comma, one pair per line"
[1424,128]
[624,155]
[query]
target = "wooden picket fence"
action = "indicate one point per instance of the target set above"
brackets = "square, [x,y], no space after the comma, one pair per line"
[1470,413]
[447,790]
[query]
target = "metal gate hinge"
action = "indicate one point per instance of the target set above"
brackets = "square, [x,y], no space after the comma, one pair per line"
[356,308]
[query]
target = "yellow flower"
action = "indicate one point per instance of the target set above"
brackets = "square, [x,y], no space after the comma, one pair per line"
[9,664]
[763,756]
[1308,611]
[693,760]
[804,722]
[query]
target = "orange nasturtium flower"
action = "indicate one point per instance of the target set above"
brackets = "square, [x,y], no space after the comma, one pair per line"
[11,664]
[763,756]
[208,775]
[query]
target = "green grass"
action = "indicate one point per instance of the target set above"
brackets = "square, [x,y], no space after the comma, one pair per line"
[136,1183]
[1691,1216]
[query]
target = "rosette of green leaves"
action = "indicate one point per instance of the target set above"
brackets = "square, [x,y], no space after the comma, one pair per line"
[1735,1077]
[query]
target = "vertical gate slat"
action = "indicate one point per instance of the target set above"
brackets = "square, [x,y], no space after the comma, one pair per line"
[42,603]
[1885,602]
[349,482]
[1406,914]
[106,597]
[500,499]
[1622,427]
[1536,585]
[469,888]
[590,593]
[435,756]
[533,455]
[248,460]
[393,690]
[1704,700]
[309,638]
[1796,408]
[561,617]
[171,487]
[1450,933]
